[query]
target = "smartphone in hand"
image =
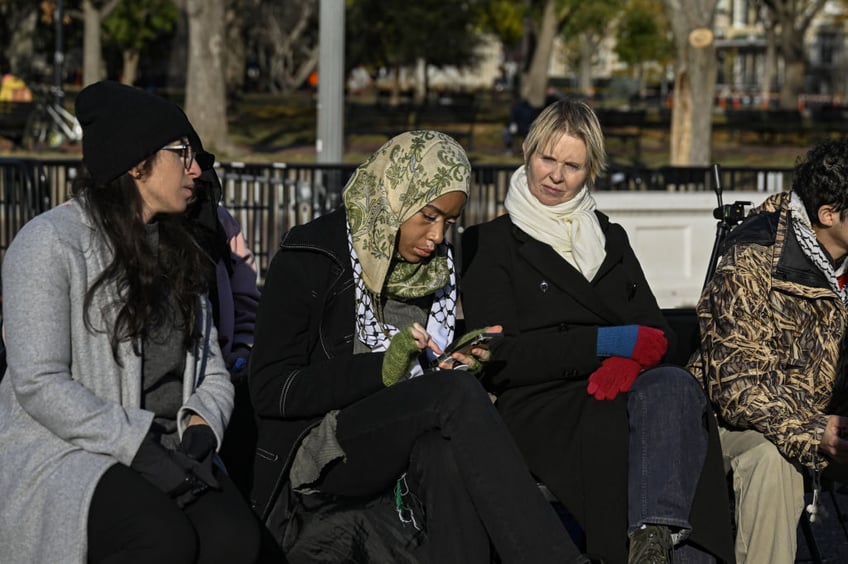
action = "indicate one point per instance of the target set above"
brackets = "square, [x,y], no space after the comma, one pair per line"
[480,341]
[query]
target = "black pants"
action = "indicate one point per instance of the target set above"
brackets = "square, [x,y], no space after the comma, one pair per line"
[130,520]
[443,430]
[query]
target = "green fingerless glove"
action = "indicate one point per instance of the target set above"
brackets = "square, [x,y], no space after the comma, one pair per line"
[476,365]
[397,358]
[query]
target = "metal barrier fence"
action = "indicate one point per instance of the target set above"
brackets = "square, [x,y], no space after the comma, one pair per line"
[269,199]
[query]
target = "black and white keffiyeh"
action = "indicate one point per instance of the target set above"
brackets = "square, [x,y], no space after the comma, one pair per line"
[806,238]
[376,334]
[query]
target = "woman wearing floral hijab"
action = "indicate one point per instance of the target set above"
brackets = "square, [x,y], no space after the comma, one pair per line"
[355,304]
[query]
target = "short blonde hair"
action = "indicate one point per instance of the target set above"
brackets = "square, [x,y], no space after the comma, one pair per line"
[569,117]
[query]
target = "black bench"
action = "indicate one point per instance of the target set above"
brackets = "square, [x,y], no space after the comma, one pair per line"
[13,119]
[384,121]
[767,125]
[625,125]
[452,114]
[829,118]
[683,178]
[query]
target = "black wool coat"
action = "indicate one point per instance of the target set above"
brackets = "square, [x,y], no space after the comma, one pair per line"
[302,365]
[573,443]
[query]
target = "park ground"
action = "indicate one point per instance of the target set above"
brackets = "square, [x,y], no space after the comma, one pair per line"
[274,128]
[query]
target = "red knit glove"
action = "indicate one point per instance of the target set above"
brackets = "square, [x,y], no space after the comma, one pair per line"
[651,345]
[646,345]
[615,375]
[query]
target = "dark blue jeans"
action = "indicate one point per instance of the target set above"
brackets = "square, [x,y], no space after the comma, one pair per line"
[668,445]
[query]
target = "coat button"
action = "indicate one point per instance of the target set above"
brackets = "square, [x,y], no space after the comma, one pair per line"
[543,286]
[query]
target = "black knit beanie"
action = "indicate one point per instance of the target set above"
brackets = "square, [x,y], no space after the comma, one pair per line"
[123,125]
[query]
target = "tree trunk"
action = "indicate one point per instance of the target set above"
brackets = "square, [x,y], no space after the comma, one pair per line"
[587,51]
[770,70]
[794,67]
[236,52]
[92,57]
[394,87]
[535,82]
[694,82]
[702,70]
[130,71]
[206,100]
[420,95]
[793,84]
[792,18]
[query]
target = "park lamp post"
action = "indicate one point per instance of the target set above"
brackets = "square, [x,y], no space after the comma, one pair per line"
[330,131]
[328,145]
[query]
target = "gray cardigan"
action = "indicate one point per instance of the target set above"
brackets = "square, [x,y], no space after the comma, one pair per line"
[68,410]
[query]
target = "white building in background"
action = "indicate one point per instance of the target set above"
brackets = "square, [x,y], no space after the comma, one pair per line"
[741,45]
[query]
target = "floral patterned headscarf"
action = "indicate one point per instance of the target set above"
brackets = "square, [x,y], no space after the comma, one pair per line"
[401,177]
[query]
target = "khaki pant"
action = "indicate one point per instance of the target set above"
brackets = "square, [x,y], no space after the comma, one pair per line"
[769,493]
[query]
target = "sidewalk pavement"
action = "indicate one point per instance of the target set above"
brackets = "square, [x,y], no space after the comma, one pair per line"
[830,533]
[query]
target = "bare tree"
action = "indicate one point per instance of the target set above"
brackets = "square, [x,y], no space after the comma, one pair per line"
[535,81]
[793,18]
[694,80]
[18,33]
[206,101]
[766,18]
[92,14]
[284,37]
[234,66]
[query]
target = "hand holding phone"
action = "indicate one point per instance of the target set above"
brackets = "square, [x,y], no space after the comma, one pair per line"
[465,344]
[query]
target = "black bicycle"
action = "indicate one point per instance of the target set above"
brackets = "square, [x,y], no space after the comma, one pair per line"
[50,125]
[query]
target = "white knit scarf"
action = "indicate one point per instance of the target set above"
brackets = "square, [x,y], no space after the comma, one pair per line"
[571,228]
[806,237]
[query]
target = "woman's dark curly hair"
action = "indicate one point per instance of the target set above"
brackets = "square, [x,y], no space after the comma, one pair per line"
[143,277]
[821,178]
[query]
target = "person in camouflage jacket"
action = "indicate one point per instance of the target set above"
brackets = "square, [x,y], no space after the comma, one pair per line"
[773,321]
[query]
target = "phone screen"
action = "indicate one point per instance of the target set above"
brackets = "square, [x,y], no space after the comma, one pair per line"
[480,341]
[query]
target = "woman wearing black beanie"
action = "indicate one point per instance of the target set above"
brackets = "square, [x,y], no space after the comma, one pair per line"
[116,396]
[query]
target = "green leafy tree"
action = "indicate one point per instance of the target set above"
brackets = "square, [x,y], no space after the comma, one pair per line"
[644,36]
[437,32]
[134,25]
[505,20]
[584,31]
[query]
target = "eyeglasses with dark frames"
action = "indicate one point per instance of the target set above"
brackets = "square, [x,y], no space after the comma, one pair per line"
[185,151]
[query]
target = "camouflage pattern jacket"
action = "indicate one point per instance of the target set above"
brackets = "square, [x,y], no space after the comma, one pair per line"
[771,331]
